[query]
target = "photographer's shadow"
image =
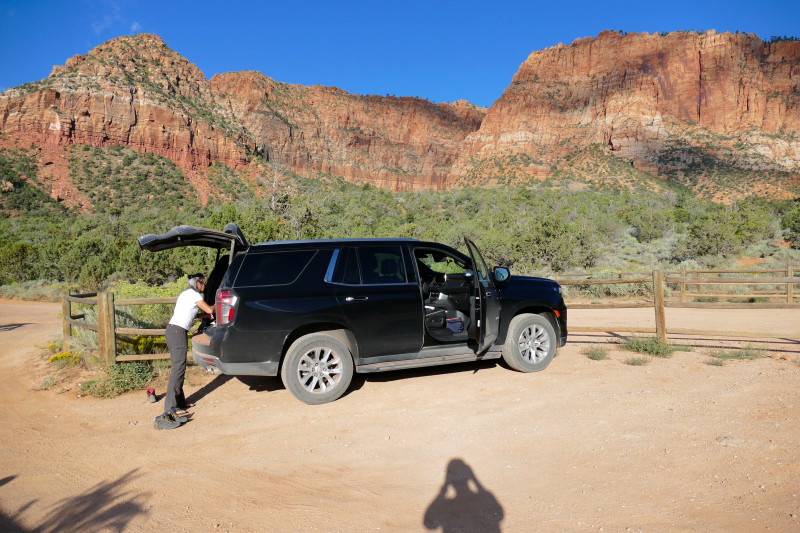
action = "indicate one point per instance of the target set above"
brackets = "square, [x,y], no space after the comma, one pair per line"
[463,505]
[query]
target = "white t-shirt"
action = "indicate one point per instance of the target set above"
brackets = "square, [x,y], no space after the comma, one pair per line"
[186,309]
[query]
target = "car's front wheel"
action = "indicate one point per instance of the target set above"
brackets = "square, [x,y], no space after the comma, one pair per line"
[317,368]
[531,343]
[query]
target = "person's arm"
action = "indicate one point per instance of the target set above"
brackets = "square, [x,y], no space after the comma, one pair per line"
[208,309]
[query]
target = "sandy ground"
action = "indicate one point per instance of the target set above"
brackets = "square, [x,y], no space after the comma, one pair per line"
[675,445]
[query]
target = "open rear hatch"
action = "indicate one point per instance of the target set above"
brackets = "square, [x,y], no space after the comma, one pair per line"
[231,238]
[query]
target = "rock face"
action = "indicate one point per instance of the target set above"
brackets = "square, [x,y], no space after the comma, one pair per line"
[131,91]
[656,101]
[395,143]
[136,92]
[691,108]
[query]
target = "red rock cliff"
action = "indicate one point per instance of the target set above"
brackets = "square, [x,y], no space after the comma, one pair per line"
[395,143]
[131,91]
[646,98]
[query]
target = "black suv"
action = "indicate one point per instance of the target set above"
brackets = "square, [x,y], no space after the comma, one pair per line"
[318,310]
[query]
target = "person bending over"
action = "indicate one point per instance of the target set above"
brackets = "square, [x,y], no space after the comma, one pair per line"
[189,304]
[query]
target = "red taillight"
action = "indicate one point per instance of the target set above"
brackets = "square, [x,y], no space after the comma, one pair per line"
[226,306]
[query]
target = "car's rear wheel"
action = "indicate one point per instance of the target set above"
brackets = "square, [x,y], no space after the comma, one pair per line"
[531,343]
[317,368]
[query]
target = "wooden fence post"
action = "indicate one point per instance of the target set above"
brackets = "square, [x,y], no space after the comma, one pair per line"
[683,285]
[789,286]
[66,329]
[658,303]
[106,336]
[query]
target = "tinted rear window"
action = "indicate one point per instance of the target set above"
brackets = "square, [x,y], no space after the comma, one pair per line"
[273,268]
[381,265]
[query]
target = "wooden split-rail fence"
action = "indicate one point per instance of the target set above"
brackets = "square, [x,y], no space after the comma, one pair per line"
[107,332]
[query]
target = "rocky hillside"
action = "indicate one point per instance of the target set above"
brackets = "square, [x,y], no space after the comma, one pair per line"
[692,108]
[716,113]
[395,143]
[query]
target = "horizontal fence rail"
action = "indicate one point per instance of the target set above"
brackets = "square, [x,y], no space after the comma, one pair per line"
[107,332]
[687,277]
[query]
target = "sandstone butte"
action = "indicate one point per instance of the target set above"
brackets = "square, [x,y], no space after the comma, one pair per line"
[681,106]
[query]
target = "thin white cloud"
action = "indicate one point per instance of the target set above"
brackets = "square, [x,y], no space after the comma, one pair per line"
[109,18]
[136,27]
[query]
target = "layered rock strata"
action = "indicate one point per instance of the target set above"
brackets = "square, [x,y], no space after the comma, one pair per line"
[395,143]
[131,91]
[672,105]
[647,97]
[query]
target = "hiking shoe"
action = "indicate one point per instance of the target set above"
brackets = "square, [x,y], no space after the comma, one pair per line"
[151,395]
[166,421]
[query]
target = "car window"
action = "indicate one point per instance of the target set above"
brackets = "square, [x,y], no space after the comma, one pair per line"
[440,262]
[483,270]
[381,265]
[273,268]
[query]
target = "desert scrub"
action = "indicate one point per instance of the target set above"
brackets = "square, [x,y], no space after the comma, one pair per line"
[65,359]
[707,299]
[748,351]
[715,362]
[34,291]
[637,361]
[652,346]
[49,382]
[596,352]
[120,378]
[153,316]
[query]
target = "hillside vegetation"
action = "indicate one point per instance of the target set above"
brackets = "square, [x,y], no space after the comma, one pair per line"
[532,230]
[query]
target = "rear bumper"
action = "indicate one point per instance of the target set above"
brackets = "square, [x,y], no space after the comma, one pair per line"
[203,355]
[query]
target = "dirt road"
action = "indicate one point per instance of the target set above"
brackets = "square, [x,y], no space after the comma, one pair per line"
[675,445]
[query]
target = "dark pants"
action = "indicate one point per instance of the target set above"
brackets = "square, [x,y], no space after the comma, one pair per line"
[178,346]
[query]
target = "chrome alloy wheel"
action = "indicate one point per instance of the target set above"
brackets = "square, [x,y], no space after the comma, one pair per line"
[319,370]
[534,343]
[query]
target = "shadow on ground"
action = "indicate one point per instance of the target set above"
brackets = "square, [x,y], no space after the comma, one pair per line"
[463,505]
[11,327]
[108,506]
[208,388]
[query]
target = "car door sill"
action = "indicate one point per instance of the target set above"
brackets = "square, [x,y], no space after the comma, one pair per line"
[427,361]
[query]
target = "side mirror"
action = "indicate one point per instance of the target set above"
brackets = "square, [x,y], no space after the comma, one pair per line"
[469,274]
[501,274]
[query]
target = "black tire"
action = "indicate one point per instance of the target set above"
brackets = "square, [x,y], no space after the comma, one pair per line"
[317,369]
[530,344]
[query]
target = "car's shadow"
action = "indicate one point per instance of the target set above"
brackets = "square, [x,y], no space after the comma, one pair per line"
[274,383]
[262,383]
[398,375]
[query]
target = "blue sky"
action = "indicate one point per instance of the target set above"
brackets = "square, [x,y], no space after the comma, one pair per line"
[442,51]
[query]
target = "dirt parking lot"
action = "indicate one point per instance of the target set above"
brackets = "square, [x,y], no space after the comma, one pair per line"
[674,445]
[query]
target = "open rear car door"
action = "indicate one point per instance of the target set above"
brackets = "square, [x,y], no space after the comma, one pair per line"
[230,238]
[486,303]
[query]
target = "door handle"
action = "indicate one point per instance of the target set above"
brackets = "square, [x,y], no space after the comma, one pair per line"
[356,298]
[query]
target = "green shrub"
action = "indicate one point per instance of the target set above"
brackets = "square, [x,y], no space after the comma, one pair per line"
[748,351]
[596,352]
[707,299]
[120,378]
[652,346]
[637,361]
